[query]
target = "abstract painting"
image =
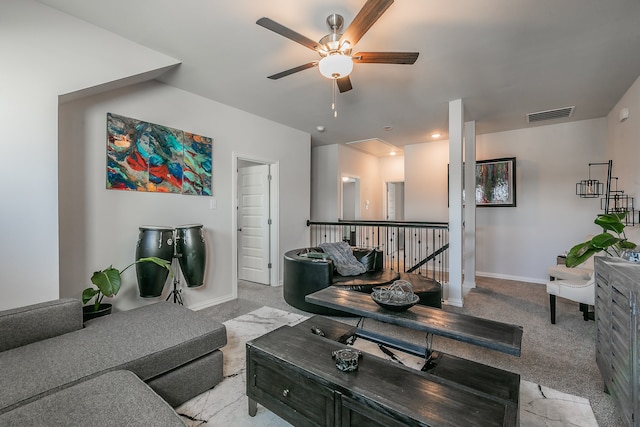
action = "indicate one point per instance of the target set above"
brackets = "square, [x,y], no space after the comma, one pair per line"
[144,156]
[495,182]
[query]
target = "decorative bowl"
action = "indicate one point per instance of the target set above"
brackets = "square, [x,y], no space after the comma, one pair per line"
[394,306]
[398,296]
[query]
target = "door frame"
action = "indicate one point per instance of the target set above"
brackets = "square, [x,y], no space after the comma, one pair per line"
[274,203]
[385,208]
[385,198]
[357,212]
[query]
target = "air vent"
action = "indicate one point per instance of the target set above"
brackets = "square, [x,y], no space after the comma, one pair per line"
[375,146]
[559,113]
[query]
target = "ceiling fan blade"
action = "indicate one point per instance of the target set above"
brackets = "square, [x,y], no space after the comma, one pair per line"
[288,33]
[344,84]
[293,70]
[368,15]
[386,57]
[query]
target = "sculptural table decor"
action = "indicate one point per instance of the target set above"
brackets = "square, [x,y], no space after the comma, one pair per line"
[398,296]
[346,359]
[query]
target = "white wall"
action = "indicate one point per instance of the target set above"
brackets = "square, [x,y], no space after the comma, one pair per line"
[325,183]
[520,242]
[45,54]
[425,181]
[391,170]
[329,164]
[624,142]
[366,167]
[100,227]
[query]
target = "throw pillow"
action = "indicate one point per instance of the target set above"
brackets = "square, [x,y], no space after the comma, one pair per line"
[368,259]
[346,264]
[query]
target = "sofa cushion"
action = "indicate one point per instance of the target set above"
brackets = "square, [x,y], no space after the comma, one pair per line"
[115,398]
[24,325]
[179,385]
[148,341]
[345,262]
[367,258]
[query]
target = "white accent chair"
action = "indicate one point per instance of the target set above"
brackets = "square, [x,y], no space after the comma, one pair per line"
[575,284]
[578,283]
[578,290]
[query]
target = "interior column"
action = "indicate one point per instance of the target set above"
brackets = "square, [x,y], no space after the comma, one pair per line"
[456,122]
[469,207]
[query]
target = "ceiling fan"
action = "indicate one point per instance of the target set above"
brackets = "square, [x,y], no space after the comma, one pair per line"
[336,60]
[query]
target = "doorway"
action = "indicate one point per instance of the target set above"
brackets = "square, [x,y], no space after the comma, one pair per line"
[350,198]
[395,209]
[256,236]
[395,201]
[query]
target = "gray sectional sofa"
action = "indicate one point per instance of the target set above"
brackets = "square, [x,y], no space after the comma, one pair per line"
[50,362]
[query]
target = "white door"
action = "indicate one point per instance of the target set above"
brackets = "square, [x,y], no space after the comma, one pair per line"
[395,208]
[253,224]
[395,201]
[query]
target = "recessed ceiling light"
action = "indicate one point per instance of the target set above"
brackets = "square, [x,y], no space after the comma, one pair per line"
[436,135]
[387,128]
[393,153]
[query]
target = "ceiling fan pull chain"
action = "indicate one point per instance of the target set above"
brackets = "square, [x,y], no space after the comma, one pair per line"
[334,98]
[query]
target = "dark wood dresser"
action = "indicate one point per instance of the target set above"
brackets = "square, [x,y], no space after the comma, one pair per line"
[617,340]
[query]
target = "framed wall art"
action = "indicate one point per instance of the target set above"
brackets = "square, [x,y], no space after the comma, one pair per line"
[496,182]
[148,157]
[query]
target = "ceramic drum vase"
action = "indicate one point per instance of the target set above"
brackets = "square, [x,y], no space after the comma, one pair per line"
[153,242]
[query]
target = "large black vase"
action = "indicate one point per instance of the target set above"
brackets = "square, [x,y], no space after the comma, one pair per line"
[192,253]
[153,242]
[89,312]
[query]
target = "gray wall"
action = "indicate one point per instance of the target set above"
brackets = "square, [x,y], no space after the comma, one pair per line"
[518,242]
[99,227]
[53,54]
[514,243]
[46,54]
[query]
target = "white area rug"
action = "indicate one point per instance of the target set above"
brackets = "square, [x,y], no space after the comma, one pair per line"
[226,404]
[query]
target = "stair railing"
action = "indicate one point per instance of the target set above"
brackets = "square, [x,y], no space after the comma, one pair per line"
[408,246]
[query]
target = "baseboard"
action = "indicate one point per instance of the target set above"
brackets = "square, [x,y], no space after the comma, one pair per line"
[211,303]
[453,302]
[514,278]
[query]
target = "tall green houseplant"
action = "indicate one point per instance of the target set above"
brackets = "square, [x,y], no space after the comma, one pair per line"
[108,281]
[612,244]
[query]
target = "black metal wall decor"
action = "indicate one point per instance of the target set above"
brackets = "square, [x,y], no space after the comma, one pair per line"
[613,200]
[618,202]
[592,188]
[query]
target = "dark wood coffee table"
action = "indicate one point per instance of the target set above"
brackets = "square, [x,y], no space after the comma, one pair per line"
[291,372]
[497,336]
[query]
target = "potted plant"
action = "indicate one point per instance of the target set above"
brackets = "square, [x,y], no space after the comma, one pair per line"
[107,284]
[612,244]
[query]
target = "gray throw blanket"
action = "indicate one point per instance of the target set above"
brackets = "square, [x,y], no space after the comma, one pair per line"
[345,262]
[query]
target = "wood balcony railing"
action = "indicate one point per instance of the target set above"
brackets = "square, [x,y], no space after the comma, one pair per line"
[408,246]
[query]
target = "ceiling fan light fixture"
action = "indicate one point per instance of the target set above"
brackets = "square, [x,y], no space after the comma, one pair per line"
[336,66]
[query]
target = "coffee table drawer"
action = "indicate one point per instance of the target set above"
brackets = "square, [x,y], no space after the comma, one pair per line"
[356,413]
[291,395]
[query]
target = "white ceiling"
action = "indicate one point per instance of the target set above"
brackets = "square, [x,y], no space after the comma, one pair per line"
[503,58]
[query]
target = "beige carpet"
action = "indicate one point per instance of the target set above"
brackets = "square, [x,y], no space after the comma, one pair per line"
[226,404]
[560,356]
